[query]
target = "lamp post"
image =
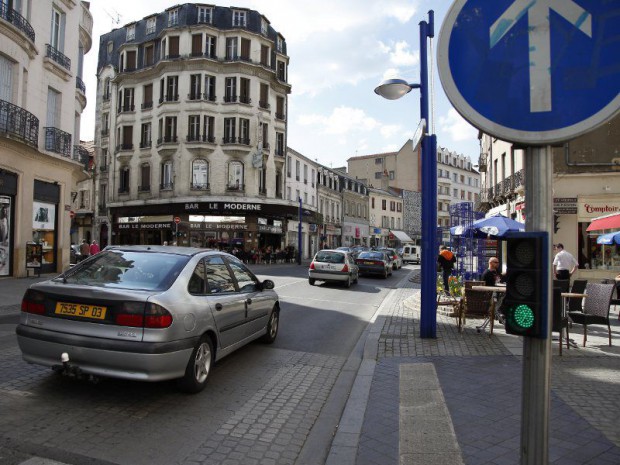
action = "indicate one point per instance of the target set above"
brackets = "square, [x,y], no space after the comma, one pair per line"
[393,89]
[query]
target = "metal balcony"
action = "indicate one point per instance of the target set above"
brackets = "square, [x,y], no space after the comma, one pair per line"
[56,55]
[17,20]
[58,141]
[18,123]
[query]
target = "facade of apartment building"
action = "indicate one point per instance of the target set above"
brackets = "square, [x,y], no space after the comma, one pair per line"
[192,121]
[330,208]
[355,211]
[586,185]
[457,181]
[301,176]
[42,95]
[385,218]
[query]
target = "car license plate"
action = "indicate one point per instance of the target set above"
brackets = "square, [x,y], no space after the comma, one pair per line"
[80,310]
[369,263]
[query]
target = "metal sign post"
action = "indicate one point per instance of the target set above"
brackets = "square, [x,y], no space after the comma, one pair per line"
[533,72]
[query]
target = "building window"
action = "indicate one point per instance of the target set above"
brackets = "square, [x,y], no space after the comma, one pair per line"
[288,166]
[151,25]
[197,45]
[305,174]
[229,130]
[131,32]
[123,181]
[170,127]
[392,175]
[210,88]
[230,92]
[195,83]
[210,46]
[239,18]
[378,174]
[53,107]
[200,174]
[149,55]
[231,48]
[173,17]
[145,135]
[264,27]
[205,14]
[244,131]
[280,144]
[235,175]
[383,204]
[208,129]
[57,38]
[145,178]
[297,170]
[281,71]
[166,175]
[193,128]
[244,90]
[279,44]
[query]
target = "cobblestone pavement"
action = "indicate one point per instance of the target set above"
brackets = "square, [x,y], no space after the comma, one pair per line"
[480,377]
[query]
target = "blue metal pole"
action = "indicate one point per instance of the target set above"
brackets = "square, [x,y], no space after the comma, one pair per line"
[428,313]
[299,235]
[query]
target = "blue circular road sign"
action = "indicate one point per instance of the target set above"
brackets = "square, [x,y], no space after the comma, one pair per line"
[532,71]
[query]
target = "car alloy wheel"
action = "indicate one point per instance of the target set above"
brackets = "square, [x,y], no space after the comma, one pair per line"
[198,367]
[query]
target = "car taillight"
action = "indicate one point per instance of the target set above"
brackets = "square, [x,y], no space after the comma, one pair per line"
[157,317]
[33,302]
[142,315]
[345,269]
[312,266]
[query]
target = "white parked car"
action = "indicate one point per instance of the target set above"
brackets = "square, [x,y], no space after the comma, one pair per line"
[333,266]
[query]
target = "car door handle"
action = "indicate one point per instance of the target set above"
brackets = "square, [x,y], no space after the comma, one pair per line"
[218,307]
[249,301]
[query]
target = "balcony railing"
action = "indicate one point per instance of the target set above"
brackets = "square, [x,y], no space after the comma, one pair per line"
[124,147]
[200,186]
[229,140]
[19,123]
[143,189]
[166,186]
[167,140]
[245,99]
[105,132]
[54,54]
[147,105]
[199,138]
[235,187]
[79,84]
[169,98]
[17,20]
[230,98]
[280,116]
[145,144]
[81,154]
[126,108]
[123,190]
[209,97]
[264,105]
[244,140]
[58,141]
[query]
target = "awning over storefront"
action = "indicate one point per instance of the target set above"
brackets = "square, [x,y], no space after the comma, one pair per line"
[605,222]
[401,236]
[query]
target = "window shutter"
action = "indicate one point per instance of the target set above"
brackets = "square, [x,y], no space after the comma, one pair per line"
[197,44]
[6,79]
[61,43]
[245,49]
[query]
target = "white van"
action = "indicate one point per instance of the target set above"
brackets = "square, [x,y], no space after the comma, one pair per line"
[411,253]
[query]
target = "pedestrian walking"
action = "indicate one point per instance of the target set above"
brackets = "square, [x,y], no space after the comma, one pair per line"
[84,249]
[446,260]
[564,264]
[94,248]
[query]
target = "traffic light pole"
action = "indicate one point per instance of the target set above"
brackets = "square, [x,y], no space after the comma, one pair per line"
[537,352]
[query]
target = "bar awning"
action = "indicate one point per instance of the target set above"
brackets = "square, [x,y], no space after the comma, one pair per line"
[401,236]
[605,222]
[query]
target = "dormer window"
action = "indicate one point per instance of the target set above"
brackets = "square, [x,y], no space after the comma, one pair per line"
[205,15]
[173,17]
[279,43]
[131,32]
[264,27]
[151,25]
[239,18]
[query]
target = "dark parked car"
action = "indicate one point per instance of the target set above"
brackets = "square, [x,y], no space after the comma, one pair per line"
[374,262]
[147,313]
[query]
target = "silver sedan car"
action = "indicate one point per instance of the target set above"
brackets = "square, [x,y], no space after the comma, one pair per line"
[333,266]
[147,313]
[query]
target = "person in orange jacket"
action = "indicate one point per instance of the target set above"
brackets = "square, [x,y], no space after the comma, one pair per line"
[446,260]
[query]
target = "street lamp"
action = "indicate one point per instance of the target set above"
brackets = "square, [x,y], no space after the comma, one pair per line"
[393,89]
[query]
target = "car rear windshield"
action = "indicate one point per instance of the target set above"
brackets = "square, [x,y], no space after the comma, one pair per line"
[329,257]
[371,256]
[128,270]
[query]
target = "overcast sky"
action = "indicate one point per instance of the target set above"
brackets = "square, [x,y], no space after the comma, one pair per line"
[339,51]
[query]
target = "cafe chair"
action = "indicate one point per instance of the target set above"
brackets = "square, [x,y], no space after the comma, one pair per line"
[578,287]
[595,309]
[460,309]
[560,319]
[563,284]
[477,304]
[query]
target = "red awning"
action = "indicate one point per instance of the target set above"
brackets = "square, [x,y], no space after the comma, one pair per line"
[605,222]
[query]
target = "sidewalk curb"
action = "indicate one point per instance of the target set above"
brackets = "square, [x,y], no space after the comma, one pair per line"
[344,447]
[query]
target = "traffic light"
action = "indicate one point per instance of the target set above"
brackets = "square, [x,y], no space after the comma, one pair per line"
[527,271]
[556,223]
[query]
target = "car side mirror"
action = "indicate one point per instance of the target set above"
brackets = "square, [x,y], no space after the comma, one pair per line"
[267,284]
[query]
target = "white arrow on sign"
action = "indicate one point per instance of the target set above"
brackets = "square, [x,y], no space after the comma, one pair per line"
[539,40]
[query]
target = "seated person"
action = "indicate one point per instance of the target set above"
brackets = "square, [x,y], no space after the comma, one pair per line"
[492,276]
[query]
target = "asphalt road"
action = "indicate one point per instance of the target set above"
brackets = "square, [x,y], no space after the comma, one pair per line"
[275,403]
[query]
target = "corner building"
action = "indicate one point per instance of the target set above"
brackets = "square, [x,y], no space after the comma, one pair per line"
[191,127]
[42,97]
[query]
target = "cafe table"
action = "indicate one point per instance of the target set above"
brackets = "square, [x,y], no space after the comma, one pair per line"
[500,288]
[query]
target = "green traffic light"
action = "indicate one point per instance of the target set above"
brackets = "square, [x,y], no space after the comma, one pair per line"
[523,316]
